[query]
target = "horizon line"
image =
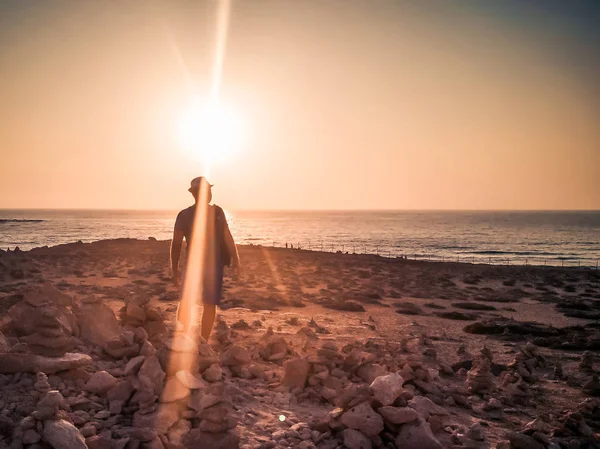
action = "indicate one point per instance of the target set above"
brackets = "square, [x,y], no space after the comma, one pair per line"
[68,209]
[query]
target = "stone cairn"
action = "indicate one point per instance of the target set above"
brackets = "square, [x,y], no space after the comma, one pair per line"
[138,313]
[587,361]
[479,377]
[43,321]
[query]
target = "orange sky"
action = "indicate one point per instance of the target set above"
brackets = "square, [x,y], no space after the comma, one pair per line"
[348,105]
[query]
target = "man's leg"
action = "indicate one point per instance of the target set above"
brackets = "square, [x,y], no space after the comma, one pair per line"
[209,312]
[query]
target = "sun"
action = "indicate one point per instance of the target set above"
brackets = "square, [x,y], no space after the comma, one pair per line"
[211,132]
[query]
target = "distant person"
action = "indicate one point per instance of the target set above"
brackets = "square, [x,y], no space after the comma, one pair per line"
[218,250]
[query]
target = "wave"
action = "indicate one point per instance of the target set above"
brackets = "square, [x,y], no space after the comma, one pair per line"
[19,220]
[516,253]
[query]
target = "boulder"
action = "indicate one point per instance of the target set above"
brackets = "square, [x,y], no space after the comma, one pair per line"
[190,381]
[174,390]
[295,373]
[353,439]
[426,407]
[151,370]
[398,415]
[11,363]
[61,434]
[417,435]
[235,355]
[98,323]
[387,388]
[100,383]
[197,439]
[160,420]
[362,417]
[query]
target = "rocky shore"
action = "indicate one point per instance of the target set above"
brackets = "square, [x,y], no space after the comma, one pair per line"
[311,350]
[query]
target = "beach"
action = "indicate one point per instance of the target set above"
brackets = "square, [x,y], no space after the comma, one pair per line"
[488,356]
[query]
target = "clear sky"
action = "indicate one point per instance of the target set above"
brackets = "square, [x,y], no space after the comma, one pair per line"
[468,104]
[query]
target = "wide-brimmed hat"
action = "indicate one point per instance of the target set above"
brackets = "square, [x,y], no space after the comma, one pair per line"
[197,182]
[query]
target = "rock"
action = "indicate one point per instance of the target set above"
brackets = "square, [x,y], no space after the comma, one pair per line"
[41,385]
[479,378]
[11,363]
[587,361]
[426,407]
[99,442]
[61,434]
[98,323]
[174,390]
[592,387]
[160,420]
[353,439]
[118,349]
[46,294]
[370,371]
[133,365]
[398,415]
[30,436]
[122,391]
[190,381]
[4,346]
[152,371]
[147,349]
[521,441]
[362,417]
[387,388]
[213,373]
[235,355]
[295,373]
[6,426]
[417,435]
[100,383]
[196,439]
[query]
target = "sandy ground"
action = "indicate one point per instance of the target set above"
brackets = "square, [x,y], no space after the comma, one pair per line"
[353,299]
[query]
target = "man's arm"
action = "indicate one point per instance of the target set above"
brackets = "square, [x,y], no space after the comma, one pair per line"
[231,248]
[175,253]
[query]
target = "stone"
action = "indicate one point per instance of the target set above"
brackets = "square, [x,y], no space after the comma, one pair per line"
[426,407]
[47,346]
[122,391]
[61,434]
[235,355]
[353,439]
[178,431]
[133,365]
[387,388]
[100,383]
[370,371]
[196,439]
[295,373]
[189,380]
[417,435]
[160,420]
[134,312]
[147,349]
[587,361]
[174,390]
[521,441]
[398,415]
[213,373]
[118,349]
[41,385]
[152,370]
[98,323]
[45,294]
[30,436]
[479,378]
[99,442]
[363,418]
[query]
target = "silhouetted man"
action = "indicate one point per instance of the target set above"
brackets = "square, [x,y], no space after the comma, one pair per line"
[217,249]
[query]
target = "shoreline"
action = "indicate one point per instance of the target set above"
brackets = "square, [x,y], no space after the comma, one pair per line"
[396,259]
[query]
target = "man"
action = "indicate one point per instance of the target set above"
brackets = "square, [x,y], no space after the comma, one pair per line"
[216,247]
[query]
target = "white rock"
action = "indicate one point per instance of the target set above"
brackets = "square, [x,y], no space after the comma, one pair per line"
[387,388]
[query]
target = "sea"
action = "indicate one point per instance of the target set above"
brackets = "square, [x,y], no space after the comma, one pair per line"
[557,238]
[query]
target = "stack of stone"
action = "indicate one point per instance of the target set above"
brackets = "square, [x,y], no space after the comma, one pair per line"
[558,371]
[49,423]
[519,366]
[273,348]
[479,378]
[587,361]
[43,321]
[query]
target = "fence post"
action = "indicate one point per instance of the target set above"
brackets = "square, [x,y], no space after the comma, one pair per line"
[458,259]
[309,245]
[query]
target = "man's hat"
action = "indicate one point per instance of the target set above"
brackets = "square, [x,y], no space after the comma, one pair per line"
[197,182]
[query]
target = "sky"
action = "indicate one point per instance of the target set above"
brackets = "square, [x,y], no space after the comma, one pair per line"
[354,104]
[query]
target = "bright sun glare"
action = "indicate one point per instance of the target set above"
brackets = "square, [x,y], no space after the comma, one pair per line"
[211,132]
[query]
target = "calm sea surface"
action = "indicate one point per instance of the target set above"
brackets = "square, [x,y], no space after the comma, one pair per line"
[555,238]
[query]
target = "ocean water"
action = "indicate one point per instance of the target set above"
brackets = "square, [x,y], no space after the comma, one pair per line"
[553,238]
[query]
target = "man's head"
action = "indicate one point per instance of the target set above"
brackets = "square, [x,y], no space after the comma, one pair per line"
[197,185]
